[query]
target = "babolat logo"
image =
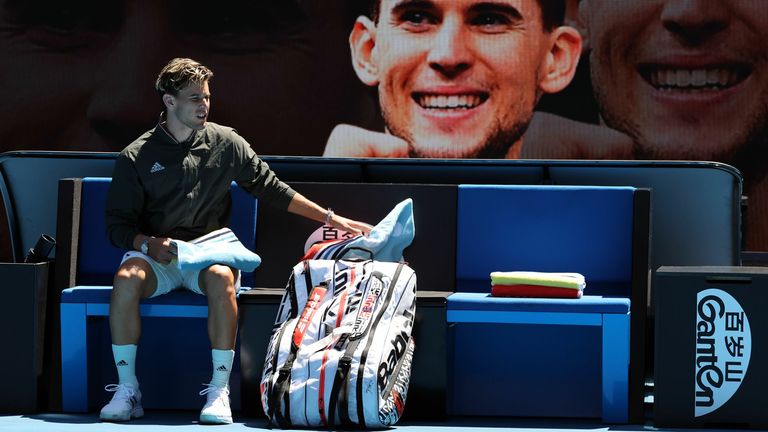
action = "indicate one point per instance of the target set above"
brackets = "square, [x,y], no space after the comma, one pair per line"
[392,398]
[723,349]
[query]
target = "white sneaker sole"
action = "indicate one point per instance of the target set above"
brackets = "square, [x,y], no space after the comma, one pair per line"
[214,419]
[136,413]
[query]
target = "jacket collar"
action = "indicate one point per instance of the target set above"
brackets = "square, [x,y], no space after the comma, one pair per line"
[162,132]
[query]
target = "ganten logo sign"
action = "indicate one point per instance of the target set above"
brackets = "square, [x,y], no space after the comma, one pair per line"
[723,348]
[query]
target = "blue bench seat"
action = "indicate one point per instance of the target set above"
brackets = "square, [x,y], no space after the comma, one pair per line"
[511,346]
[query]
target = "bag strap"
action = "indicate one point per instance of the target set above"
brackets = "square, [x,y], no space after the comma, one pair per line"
[340,390]
[279,391]
[364,354]
[340,383]
[279,395]
[340,378]
[282,384]
[270,385]
[308,277]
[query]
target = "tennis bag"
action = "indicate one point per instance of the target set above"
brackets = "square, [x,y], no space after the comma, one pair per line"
[341,347]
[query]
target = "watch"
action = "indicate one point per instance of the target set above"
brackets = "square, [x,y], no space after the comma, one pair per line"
[145,246]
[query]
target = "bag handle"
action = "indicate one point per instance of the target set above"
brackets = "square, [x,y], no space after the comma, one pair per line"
[348,249]
[320,344]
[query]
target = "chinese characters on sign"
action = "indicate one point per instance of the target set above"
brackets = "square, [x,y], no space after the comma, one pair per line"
[723,349]
[331,233]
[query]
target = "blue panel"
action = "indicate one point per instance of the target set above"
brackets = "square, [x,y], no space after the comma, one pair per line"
[507,317]
[534,357]
[172,361]
[616,368]
[97,259]
[545,228]
[585,305]
[74,366]
[154,310]
[243,223]
[525,370]
[101,294]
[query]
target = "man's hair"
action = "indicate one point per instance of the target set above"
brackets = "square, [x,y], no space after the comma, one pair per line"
[178,73]
[552,13]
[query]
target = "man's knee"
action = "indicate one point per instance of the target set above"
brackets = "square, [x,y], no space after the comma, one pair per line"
[134,279]
[218,281]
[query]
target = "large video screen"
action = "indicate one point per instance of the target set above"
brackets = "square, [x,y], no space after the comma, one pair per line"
[520,79]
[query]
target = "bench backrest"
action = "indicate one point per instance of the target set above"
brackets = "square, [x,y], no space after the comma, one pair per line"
[583,229]
[97,259]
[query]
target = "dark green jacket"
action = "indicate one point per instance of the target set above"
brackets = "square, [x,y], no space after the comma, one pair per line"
[164,188]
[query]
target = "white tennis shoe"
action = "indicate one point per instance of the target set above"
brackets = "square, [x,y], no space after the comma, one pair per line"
[125,404]
[216,409]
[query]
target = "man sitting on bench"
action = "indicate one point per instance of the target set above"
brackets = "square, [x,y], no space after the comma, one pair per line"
[172,183]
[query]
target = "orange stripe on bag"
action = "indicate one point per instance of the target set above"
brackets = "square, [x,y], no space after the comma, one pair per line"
[313,303]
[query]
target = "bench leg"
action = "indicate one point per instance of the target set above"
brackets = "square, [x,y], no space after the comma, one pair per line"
[615,368]
[74,358]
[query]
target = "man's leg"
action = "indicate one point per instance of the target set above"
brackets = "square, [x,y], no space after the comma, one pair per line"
[218,283]
[133,281]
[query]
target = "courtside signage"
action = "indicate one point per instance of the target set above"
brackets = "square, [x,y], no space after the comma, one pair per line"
[723,349]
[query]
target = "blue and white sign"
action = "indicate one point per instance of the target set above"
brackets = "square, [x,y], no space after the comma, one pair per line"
[723,349]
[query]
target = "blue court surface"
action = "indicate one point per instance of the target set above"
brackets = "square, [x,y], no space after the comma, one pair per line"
[181,421]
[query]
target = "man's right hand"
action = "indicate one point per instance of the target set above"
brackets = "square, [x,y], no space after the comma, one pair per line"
[352,141]
[161,249]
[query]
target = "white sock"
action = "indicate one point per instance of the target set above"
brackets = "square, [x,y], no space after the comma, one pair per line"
[125,361]
[222,366]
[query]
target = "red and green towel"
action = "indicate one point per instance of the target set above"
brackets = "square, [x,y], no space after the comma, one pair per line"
[537,284]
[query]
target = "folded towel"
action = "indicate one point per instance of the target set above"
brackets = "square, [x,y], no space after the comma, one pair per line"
[218,247]
[534,291]
[563,280]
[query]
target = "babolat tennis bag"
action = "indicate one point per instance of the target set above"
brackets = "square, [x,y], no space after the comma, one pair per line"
[341,347]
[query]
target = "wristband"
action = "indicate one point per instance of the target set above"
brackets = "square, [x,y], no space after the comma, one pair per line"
[328,216]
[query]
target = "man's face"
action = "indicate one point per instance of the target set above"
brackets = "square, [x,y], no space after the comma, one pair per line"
[459,78]
[80,74]
[192,105]
[686,79]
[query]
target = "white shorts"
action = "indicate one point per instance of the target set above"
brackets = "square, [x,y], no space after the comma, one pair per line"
[169,277]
